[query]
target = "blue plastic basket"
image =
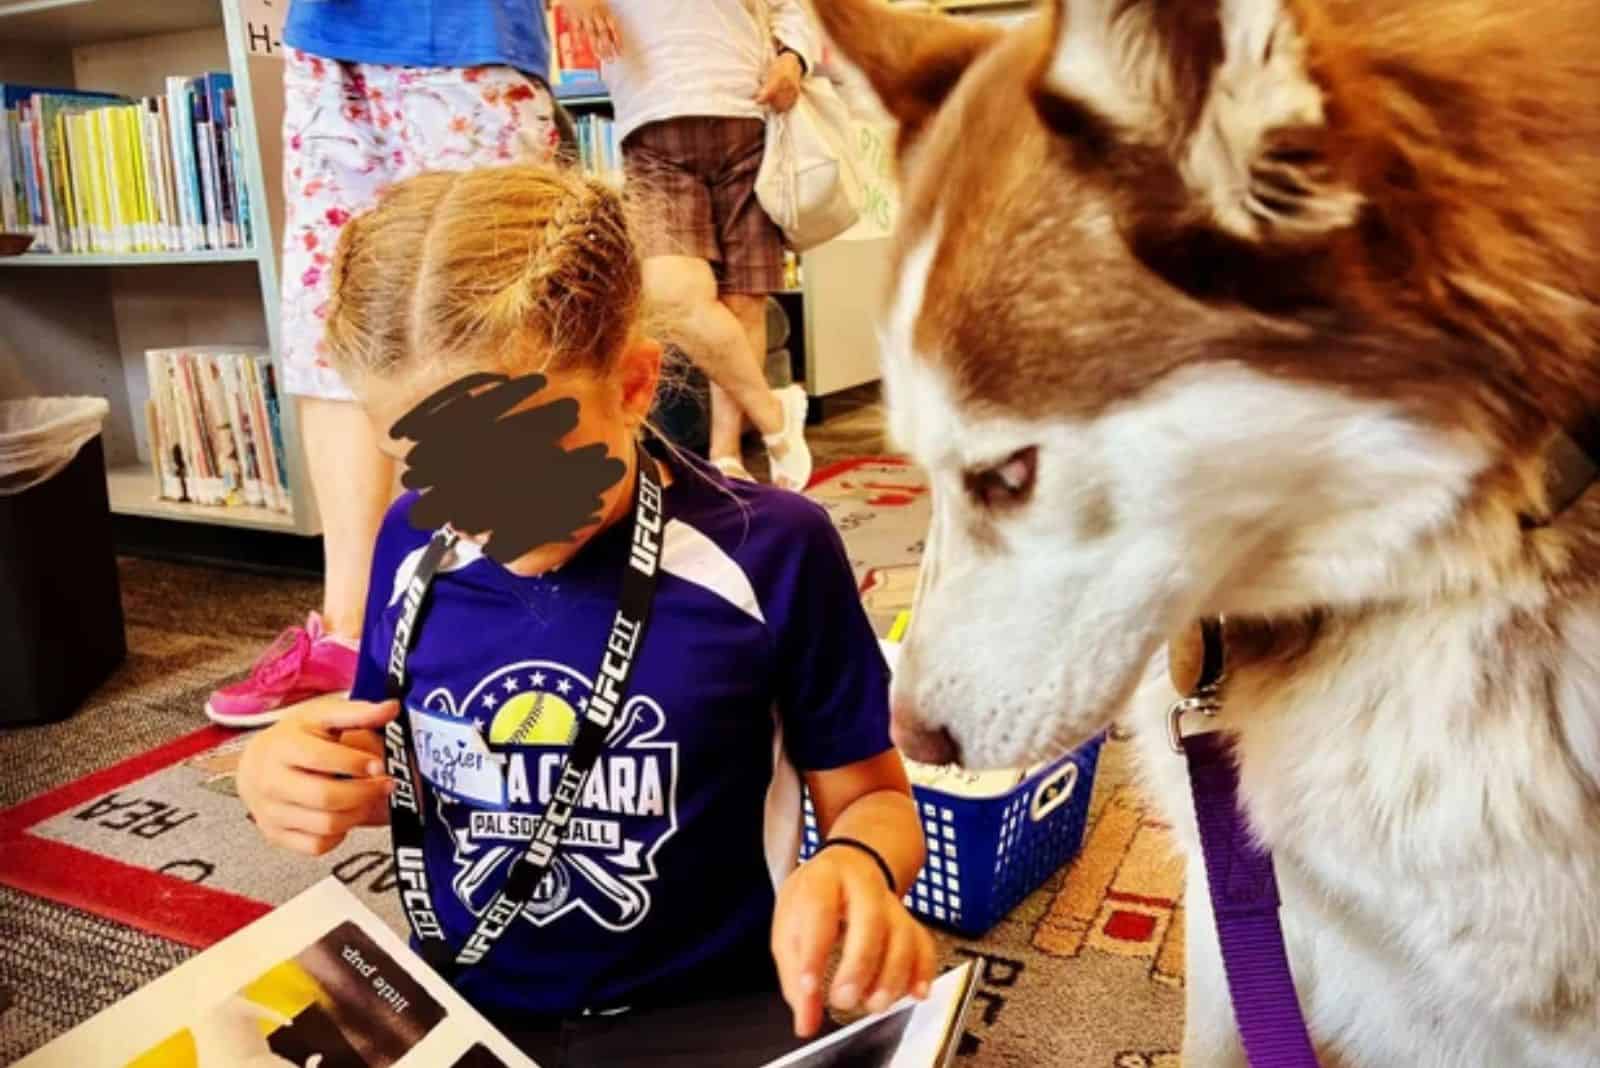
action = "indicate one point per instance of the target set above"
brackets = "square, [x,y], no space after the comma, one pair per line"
[985,854]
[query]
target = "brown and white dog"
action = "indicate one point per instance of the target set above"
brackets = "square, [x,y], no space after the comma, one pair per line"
[1269,308]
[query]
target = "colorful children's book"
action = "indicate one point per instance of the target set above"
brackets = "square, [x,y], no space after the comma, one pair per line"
[576,63]
[8,173]
[260,433]
[180,128]
[318,981]
[321,980]
[203,137]
[219,90]
[269,390]
[166,450]
[47,106]
[230,371]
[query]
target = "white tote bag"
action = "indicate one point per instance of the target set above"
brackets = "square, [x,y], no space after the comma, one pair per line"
[809,182]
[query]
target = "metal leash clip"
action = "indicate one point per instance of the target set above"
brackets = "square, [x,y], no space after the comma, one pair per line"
[1205,696]
[1207,701]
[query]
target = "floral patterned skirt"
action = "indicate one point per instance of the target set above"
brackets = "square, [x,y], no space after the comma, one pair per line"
[351,130]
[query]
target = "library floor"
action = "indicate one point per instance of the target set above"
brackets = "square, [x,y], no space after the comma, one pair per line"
[1085,972]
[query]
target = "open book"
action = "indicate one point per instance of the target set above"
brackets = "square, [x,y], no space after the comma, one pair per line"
[322,982]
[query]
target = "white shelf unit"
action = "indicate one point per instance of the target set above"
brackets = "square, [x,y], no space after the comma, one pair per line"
[81,323]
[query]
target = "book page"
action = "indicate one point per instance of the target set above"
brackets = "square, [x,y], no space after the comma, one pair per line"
[911,1034]
[320,982]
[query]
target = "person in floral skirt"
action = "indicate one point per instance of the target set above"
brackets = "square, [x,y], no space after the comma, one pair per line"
[375,91]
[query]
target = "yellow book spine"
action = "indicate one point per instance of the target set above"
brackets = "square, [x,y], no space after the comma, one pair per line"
[128,183]
[78,146]
[147,193]
[105,176]
[96,163]
[69,219]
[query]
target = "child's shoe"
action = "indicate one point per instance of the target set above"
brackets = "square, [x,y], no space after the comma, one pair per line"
[304,662]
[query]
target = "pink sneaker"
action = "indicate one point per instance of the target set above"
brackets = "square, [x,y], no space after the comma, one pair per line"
[304,662]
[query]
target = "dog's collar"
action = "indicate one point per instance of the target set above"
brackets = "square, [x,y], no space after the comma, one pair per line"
[1571,466]
[1239,870]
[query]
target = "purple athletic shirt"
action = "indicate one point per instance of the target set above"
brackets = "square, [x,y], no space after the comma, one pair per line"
[759,664]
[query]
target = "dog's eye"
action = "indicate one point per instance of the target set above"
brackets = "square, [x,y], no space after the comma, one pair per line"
[1006,484]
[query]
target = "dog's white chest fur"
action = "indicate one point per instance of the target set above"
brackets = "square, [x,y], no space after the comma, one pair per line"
[1436,837]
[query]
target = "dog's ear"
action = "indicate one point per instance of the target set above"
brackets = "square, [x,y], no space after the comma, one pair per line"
[912,59]
[1221,85]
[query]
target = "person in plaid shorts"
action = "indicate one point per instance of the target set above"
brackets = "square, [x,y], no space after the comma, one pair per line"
[692,84]
[374,92]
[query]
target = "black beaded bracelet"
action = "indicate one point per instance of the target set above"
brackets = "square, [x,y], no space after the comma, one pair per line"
[877,858]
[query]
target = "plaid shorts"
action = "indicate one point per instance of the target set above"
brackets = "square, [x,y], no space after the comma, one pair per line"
[693,181]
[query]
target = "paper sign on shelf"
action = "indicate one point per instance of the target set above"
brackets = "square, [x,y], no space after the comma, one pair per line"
[263,26]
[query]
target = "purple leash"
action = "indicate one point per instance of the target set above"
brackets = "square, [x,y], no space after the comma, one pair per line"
[1244,899]
[1244,889]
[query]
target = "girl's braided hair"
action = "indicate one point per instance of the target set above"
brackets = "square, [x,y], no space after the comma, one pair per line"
[529,266]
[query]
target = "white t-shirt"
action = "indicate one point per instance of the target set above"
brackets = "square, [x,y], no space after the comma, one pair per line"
[697,57]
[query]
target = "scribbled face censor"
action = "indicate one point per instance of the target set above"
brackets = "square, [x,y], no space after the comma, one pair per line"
[532,464]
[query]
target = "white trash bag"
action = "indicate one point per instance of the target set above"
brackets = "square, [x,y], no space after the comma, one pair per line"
[40,435]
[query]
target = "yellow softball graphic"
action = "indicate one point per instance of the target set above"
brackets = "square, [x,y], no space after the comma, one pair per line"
[533,719]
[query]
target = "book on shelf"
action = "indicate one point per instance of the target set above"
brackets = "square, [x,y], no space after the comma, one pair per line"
[573,62]
[322,980]
[211,438]
[599,151]
[96,172]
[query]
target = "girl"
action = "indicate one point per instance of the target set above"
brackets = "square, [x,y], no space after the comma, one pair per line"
[671,916]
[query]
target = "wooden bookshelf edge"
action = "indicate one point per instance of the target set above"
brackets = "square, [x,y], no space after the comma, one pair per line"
[131,259]
[133,492]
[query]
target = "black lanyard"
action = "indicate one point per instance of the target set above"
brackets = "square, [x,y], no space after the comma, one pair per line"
[406,816]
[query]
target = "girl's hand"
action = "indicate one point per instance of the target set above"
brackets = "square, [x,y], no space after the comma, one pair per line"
[887,953]
[596,22]
[318,772]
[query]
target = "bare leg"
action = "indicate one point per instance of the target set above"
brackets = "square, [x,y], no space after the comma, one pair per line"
[727,425]
[682,295]
[355,484]
[751,311]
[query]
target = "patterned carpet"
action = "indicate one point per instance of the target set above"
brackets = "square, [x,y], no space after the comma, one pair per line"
[1087,971]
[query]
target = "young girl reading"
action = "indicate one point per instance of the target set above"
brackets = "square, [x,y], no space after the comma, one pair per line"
[698,642]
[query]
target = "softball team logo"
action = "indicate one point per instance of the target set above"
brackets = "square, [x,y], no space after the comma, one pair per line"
[494,762]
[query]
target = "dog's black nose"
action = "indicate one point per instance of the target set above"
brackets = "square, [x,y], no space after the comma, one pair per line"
[922,744]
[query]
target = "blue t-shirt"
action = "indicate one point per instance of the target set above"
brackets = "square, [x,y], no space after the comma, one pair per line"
[759,663]
[424,33]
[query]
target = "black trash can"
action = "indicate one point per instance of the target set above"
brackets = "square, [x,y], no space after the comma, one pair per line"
[61,626]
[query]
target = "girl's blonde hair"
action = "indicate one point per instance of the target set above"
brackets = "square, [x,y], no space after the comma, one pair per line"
[522,267]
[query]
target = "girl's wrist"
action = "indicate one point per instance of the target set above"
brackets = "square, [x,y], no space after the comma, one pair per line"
[855,845]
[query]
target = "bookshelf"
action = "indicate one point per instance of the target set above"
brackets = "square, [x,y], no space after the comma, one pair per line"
[81,322]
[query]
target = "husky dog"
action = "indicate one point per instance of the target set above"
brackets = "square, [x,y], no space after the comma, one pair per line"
[1285,311]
